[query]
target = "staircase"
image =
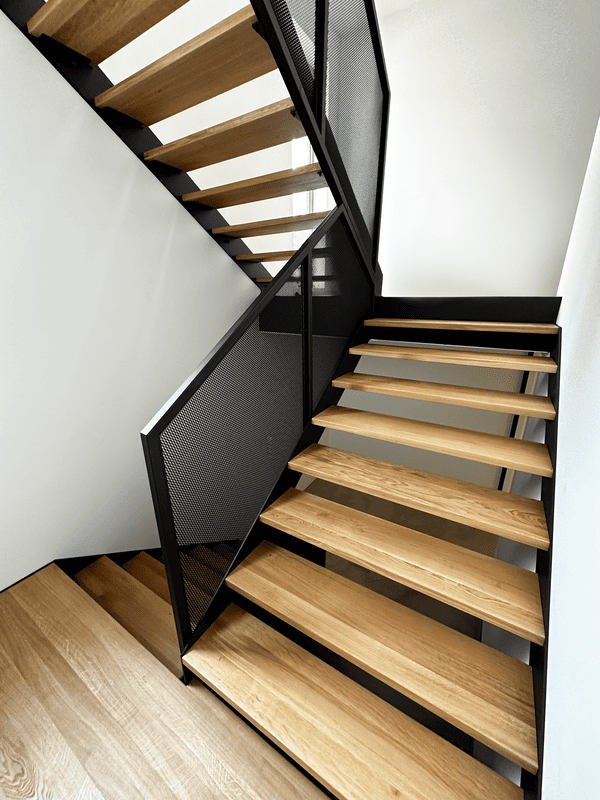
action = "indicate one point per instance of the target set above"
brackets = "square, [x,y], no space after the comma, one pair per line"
[371,697]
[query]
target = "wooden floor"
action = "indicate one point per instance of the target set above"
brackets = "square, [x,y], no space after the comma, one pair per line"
[86,712]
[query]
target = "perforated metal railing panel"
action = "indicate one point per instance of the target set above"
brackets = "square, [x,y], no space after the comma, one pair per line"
[225,449]
[340,301]
[354,101]
[297,20]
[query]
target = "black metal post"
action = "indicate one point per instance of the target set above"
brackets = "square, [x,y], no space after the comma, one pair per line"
[307,328]
[322,25]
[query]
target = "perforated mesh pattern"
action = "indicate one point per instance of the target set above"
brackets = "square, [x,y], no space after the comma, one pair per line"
[226,448]
[297,20]
[354,100]
[340,300]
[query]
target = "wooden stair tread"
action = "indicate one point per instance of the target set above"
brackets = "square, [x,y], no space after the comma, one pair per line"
[475,358]
[263,187]
[266,127]
[479,690]
[500,593]
[98,29]
[303,222]
[488,448]
[464,325]
[138,609]
[353,742]
[151,573]
[228,55]
[504,402]
[501,513]
[280,255]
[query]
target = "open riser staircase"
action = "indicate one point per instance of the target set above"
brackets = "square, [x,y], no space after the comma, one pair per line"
[372,697]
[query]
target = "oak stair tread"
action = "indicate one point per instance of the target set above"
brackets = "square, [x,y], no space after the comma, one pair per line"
[263,187]
[228,55]
[208,557]
[511,516]
[312,711]
[302,222]
[492,590]
[487,448]
[98,29]
[474,687]
[475,358]
[151,572]
[266,127]
[464,325]
[138,609]
[529,405]
[279,255]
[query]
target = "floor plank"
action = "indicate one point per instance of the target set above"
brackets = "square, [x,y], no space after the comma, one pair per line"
[199,747]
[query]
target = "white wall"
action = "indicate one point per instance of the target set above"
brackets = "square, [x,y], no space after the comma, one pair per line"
[494,107]
[573,710]
[110,296]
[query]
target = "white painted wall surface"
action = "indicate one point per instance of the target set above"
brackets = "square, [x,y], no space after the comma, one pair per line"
[573,710]
[110,295]
[494,107]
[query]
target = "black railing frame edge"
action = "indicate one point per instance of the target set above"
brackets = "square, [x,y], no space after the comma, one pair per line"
[335,173]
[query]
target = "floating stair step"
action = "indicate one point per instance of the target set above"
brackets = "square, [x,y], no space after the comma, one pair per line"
[266,279]
[350,740]
[200,579]
[138,609]
[479,690]
[98,29]
[257,130]
[281,255]
[528,405]
[488,448]
[464,325]
[151,573]
[500,593]
[266,227]
[475,358]
[264,187]
[520,519]
[228,55]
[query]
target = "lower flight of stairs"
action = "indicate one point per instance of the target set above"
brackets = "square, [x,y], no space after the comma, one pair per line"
[351,740]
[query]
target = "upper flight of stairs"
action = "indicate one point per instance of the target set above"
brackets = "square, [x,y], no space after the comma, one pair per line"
[228,55]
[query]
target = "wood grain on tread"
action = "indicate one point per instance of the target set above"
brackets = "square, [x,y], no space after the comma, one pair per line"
[479,690]
[471,397]
[474,358]
[352,741]
[303,222]
[264,187]
[488,448]
[501,513]
[257,130]
[98,28]
[229,54]
[492,590]
[87,712]
[281,255]
[138,609]
[151,573]
[464,325]
[209,558]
